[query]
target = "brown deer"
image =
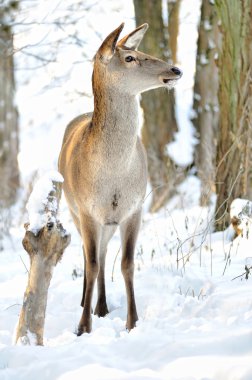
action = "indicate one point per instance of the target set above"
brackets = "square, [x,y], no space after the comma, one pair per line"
[103,163]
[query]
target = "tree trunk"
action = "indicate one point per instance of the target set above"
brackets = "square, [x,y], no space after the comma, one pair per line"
[158,106]
[45,249]
[173,27]
[9,172]
[234,161]
[206,109]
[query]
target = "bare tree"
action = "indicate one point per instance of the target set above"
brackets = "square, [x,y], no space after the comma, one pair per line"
[234,158]
[206,99]
[9,138]
[9,172]
[173,26]
[158,106]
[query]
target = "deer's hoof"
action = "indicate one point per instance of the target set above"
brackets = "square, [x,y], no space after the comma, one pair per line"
[84,327]
[131,323]
[101,309]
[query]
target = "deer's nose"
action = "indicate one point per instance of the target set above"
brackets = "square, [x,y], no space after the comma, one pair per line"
[176,71]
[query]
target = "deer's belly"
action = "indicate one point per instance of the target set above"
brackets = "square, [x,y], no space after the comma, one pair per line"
[112,202]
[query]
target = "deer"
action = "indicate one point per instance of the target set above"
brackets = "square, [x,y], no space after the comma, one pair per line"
[104,165]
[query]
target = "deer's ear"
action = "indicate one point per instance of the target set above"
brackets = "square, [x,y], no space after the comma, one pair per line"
[133,39]
[107,48]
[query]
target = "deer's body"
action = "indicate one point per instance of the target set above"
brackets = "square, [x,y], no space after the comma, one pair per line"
[120,184]
[104,165]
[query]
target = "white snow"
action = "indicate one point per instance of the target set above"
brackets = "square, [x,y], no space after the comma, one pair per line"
[240,206]
[203,59]
[28,339]
[211,44]
[194,303]
[207,107]
[197,96]
[39,199]
[194,322]
[242,210]
[207,25]
[182,148]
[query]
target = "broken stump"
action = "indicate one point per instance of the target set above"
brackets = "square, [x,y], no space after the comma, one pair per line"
[241,216]
[45,241]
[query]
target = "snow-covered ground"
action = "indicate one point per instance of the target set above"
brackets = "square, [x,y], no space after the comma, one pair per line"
[195,310]
[194,322]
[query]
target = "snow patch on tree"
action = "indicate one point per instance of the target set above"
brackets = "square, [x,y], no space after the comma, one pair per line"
[39,198]
[241,216]
[207,25]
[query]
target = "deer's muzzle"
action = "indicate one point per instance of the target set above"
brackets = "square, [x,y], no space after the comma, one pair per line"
[170,76]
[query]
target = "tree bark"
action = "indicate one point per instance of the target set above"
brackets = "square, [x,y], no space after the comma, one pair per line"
[45,249]
[158,107]
[173,27]
[206,108]
[234,161]
[9,172]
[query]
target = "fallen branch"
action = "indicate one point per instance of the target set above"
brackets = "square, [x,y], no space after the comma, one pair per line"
[246,273]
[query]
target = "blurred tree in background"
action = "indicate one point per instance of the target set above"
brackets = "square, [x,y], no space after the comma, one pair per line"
[234,157]
[9,137]
[158,105]
[173,27]
[205,103]
[9,172]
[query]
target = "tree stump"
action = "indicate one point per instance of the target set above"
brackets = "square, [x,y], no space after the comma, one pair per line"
[45,245]
[241,217]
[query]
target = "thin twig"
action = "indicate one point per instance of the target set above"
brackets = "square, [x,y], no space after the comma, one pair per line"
[15,304]
[241,275]
[228,257]
[27,271]
[113,269]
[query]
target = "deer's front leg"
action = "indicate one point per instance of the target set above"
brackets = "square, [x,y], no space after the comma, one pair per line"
[101,307]
[129,232]
[91,240]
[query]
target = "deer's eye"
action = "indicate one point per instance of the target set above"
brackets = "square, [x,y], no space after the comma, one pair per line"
[129,58]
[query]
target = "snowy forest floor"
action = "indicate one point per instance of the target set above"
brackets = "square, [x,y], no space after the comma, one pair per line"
[195,319]
[194,322]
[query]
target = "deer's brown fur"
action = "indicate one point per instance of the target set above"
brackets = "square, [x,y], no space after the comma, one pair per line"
[103,162]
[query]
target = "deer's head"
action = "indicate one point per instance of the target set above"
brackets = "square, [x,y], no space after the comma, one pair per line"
[120,66]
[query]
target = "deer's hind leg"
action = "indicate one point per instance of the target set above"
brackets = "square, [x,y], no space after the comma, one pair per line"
[129,232]
[101,308]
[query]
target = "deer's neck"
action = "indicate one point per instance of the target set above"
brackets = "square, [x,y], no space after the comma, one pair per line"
[115,118]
